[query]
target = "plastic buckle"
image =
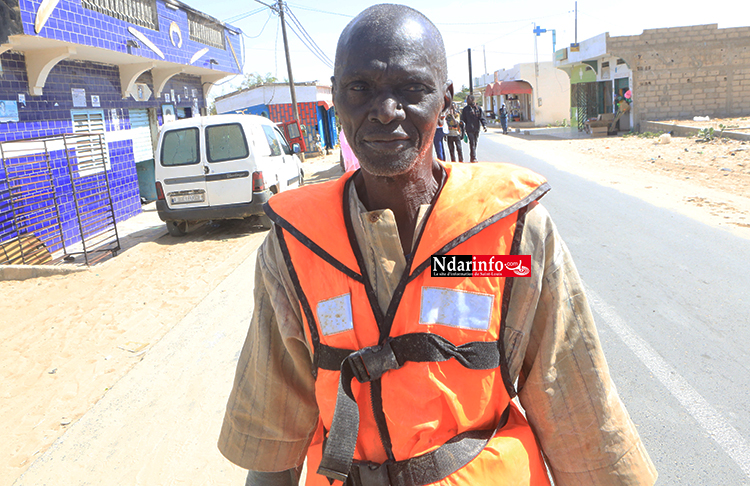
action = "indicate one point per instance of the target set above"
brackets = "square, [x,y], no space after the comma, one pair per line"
[369,364]
[372,474]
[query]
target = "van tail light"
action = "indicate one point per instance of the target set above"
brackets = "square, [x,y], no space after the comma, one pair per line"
[159,191]
[259,184]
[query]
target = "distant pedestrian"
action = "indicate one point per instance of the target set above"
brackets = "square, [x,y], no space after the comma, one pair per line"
[440,132]
[473,118]
[504,119]
[455,133]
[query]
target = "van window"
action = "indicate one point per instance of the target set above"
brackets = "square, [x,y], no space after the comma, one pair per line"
[180,147]
[225,142]
[282,141]
[273,142]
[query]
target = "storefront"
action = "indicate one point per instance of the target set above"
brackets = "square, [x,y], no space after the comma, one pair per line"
[516,95]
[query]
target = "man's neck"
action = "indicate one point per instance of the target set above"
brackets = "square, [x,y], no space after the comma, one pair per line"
[401,194]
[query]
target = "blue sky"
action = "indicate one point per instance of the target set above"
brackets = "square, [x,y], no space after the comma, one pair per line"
[498,32]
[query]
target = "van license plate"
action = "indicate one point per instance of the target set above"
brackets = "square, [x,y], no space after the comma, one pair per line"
[188,198]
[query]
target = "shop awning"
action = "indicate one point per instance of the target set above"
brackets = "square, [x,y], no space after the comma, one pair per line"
[512,87]
[325,104]
[489,90]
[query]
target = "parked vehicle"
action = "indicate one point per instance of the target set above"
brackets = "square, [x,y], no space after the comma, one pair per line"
[221,167]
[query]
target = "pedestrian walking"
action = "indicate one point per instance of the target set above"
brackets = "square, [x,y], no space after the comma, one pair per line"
[455,133]
[364,360]
[504,118]
[473,119]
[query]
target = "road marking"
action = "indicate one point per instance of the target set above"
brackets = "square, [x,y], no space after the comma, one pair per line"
[707,417]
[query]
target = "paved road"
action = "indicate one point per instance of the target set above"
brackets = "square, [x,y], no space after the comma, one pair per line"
[672,301]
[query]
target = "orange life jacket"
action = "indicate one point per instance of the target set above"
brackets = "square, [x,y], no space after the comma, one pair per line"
[421,394]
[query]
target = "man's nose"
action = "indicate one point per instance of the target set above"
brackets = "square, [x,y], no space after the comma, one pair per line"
[386,108]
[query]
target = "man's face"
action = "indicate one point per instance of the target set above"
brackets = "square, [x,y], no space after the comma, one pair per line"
[388,93]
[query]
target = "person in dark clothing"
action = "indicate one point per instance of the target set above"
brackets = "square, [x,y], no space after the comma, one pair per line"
[473,118]
[504,119]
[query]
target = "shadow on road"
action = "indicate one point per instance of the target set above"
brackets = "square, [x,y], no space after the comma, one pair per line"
[325,175]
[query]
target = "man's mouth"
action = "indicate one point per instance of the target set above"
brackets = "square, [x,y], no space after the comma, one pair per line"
[387,141]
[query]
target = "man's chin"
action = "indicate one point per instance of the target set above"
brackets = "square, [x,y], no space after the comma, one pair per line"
[389,165]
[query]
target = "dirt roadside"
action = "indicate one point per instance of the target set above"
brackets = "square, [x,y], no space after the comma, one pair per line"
[64,341]
[706,180]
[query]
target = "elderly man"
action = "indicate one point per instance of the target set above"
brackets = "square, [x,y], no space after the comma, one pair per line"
[370,358]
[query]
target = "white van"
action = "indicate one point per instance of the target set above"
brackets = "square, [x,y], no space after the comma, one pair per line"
[221,167]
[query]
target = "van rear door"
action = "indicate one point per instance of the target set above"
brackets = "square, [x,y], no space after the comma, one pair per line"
[229,164]
[180,169]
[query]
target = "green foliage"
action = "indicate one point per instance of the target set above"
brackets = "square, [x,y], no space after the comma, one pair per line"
[706,134]
[252,80]
[461,95]
[644,134]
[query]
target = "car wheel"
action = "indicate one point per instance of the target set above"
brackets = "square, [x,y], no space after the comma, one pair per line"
[177,228]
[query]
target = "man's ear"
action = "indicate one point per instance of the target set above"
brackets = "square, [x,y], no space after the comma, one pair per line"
[333,88]
[448,96]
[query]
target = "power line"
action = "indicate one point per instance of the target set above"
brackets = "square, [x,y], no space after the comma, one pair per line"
[261,30]
[242,16]
[307,40]
[321,11]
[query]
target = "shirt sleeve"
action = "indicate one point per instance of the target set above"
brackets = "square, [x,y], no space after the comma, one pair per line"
[271,413]
[566,390]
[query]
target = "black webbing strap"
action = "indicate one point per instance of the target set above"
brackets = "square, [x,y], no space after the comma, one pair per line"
[428,468]
[369,364]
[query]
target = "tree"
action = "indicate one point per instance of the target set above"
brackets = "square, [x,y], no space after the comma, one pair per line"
[461,95]
[252,80]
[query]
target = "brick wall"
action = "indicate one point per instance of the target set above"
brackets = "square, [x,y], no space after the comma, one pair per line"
[683,72]
[308,114]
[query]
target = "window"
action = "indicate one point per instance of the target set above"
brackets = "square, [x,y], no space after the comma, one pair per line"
[273,142]
[91,144]
[225,142]
[138,12]
[205,30]
[283,142]
[180,147]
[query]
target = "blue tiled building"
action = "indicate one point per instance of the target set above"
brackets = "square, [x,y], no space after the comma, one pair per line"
[115,67]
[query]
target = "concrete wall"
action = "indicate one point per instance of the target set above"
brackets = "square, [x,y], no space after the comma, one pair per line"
[272,94]
[551,85]
[683,72]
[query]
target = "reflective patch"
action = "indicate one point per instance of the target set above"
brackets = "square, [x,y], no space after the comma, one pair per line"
[455,308]
[335,315]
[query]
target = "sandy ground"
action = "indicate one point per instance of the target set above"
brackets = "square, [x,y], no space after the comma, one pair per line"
[708,181]
[65,341]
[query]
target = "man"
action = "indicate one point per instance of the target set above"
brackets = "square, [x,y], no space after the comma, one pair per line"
[504,118]
[361,361]
[473,118]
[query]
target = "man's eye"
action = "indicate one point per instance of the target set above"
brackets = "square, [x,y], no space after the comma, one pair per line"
[415,88]
[358,87]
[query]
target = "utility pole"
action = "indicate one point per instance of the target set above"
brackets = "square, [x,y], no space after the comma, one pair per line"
[576,23]
[292,90]
[471,81]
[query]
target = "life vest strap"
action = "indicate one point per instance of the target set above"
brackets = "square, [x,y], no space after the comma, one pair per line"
[418,347]
[428,468]
[369,364]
